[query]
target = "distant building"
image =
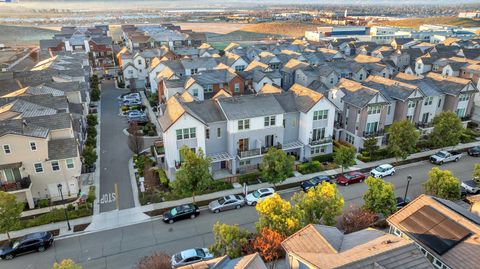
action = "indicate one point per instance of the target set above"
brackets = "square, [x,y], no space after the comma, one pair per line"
[469,14]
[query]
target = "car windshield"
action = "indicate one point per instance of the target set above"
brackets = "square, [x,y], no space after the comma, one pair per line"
[380,169]
[441,154]
[15,244]
[221,201]
[256,194]
[349,176]
[174,211]
[313,181]
[200,252]
[178,257]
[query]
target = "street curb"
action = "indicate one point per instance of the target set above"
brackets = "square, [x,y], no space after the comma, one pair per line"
[96,174]
[133,181]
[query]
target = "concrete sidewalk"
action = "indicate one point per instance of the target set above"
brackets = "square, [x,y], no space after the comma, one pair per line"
[119,218]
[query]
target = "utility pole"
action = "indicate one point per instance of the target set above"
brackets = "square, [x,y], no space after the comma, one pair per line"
[116,196]
[409,177]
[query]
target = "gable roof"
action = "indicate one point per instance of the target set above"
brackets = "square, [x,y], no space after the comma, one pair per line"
[305,97]
[267,88]
[249,106]
[356,94]
[60,149]
[390,88]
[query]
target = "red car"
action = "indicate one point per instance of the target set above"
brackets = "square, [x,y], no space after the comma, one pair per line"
[350,177]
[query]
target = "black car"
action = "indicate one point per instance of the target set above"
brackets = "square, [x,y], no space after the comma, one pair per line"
[475,151]
[313,182]
[188,211]
[29,243]
[401,202]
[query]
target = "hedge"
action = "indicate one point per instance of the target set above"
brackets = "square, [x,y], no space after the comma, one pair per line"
[250,178]
[323,158]
[310,167]
[55,215]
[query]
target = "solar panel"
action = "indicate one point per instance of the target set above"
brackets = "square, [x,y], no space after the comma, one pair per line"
[434,229]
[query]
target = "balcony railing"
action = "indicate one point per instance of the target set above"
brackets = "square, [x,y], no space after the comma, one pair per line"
[466,118]
[20,184]
[374,133]
[277,146]
[424,124]
[315,142]
[339,125]
[249,153]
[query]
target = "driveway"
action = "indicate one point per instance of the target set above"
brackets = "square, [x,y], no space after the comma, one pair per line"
[114,153]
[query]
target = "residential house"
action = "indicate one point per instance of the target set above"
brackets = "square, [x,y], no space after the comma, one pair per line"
[206,84]
[251,261]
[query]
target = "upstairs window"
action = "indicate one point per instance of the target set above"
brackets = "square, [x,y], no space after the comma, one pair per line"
[428,101]
[70,164]
[186,133]
[374,110]
[320,114]
[6,149]
[243,125]
[269,121]
[209,88]
[33,146]
[55,166]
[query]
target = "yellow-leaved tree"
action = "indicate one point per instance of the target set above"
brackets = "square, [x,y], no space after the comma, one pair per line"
[278,215]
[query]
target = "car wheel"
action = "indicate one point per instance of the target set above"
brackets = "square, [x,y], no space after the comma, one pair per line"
[170,221]
[238,207]
[216,211]
[254,203]
[393,173]
[361,180]
[192,216]
[346,184]
[440,163]
[8,257]
[456,160]
[41,249]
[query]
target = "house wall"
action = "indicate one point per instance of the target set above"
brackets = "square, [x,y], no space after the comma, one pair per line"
[217,144]
[291,126]
[257,86]
[196,90]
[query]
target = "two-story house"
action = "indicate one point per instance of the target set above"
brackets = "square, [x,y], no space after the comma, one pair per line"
[206,84]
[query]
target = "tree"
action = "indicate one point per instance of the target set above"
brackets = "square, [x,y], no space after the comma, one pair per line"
[344,156]
[66,264]
[158,260]
[89,155]
[95,95]
[380,197]
[356,219]
[230,240]
[370,146]
[10,212]
[268,245]
[276,166]
[447,130]
[321,204]
[442,184]
[476,173]
[135,140]
[402,139]
[278,215]
[194,175]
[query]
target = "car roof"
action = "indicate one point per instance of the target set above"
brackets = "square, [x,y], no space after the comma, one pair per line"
[188,253]
[34,235]
[230,197]
[265,190]
[385,165]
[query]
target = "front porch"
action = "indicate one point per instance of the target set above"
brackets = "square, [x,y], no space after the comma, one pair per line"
[12,181]
[223,165]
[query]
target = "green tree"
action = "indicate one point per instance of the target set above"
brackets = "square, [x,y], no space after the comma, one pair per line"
[278,215]
[230,240]
[66,264]
[344,156]
[95,95]
[402,139]
[370,146]
[194,175]
[379,197]
[447,130]
[476,173]
[442,184]
[89,155]
[321,204]
[10,212]
[276,166]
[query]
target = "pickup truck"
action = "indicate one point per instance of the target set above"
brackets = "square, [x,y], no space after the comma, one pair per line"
[443,156]
[471,187]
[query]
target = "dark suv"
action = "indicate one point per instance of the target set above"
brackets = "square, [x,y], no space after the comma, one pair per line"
[31,242]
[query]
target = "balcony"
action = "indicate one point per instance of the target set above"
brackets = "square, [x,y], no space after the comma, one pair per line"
[424,125]
[277,146]
[249,153]
[374,133]
[466,118]
[20,184]
[322,141]
[339,125]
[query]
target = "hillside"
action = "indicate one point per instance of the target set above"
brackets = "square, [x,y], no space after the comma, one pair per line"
[288,29]
[416,22]
[23,35]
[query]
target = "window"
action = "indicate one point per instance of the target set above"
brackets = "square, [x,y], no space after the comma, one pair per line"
[411,104]
[207,133]
[246,162]
[463,97]
[320,114]
[139,61]
[193,71]
[237,87]
[140,70]
[186,133]
[425,117]
[389,109]
[38,168]
[428,101]
[349,138]
[239,68]
[33,146]
[6,149]
[55,166]
[410,118]
[195,92]
[318,134]
[317,150]
[374,109]
[461,112]
[209,88]
[243,124]
[70,164]
[360,77]
[371,127]
[219,132]
[269,121]
[439,102]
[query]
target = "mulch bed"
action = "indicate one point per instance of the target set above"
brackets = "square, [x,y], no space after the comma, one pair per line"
[80,227]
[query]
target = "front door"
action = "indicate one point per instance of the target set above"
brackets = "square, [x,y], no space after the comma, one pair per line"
[269,141]
[223,164]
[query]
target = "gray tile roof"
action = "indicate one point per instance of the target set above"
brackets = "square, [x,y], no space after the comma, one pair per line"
[207,110]
[17,126]
[356,94]
[210,77]
[60,149]
[250,106]
[391,89]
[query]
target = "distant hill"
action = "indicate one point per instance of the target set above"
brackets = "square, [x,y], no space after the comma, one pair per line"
[23,35]
[416,22]
[287,29]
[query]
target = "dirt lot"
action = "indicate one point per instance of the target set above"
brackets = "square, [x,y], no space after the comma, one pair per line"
[212,27]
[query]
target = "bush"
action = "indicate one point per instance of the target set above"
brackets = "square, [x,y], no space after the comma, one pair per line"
[91,130]
[250,178]
[124,108]
[43,203]
[70,207]
[310,167]
[364,158]
[92,120]
[55,215]
[95,94]
[91,141]
[91,195]
[323,158]
[163,177]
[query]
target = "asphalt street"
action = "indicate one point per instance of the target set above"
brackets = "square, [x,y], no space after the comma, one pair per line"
[114,153]
[123,247]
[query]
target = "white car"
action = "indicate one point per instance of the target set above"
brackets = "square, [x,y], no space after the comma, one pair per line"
[383,171]
[259,195]
[190,256]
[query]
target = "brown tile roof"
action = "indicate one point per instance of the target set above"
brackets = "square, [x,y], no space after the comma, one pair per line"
[267,88]
[464,254]
[361,58]
[221,93]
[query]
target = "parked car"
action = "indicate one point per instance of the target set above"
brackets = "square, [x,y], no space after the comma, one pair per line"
[313,182]
[402,202]
[383,171]
[471,187]
[350,178]
[131,103]
[181,212]
[443,156]
[132,96]
[254,197]
[190,256]
[39,241]
[475,151]
[226,203]
[135,113]
[138,120]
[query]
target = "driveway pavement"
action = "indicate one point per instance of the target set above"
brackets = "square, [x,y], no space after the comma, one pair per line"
[114,153]
[122,247]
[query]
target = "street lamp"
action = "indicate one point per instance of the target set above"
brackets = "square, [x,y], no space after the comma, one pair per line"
[409,177]
[59,186]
